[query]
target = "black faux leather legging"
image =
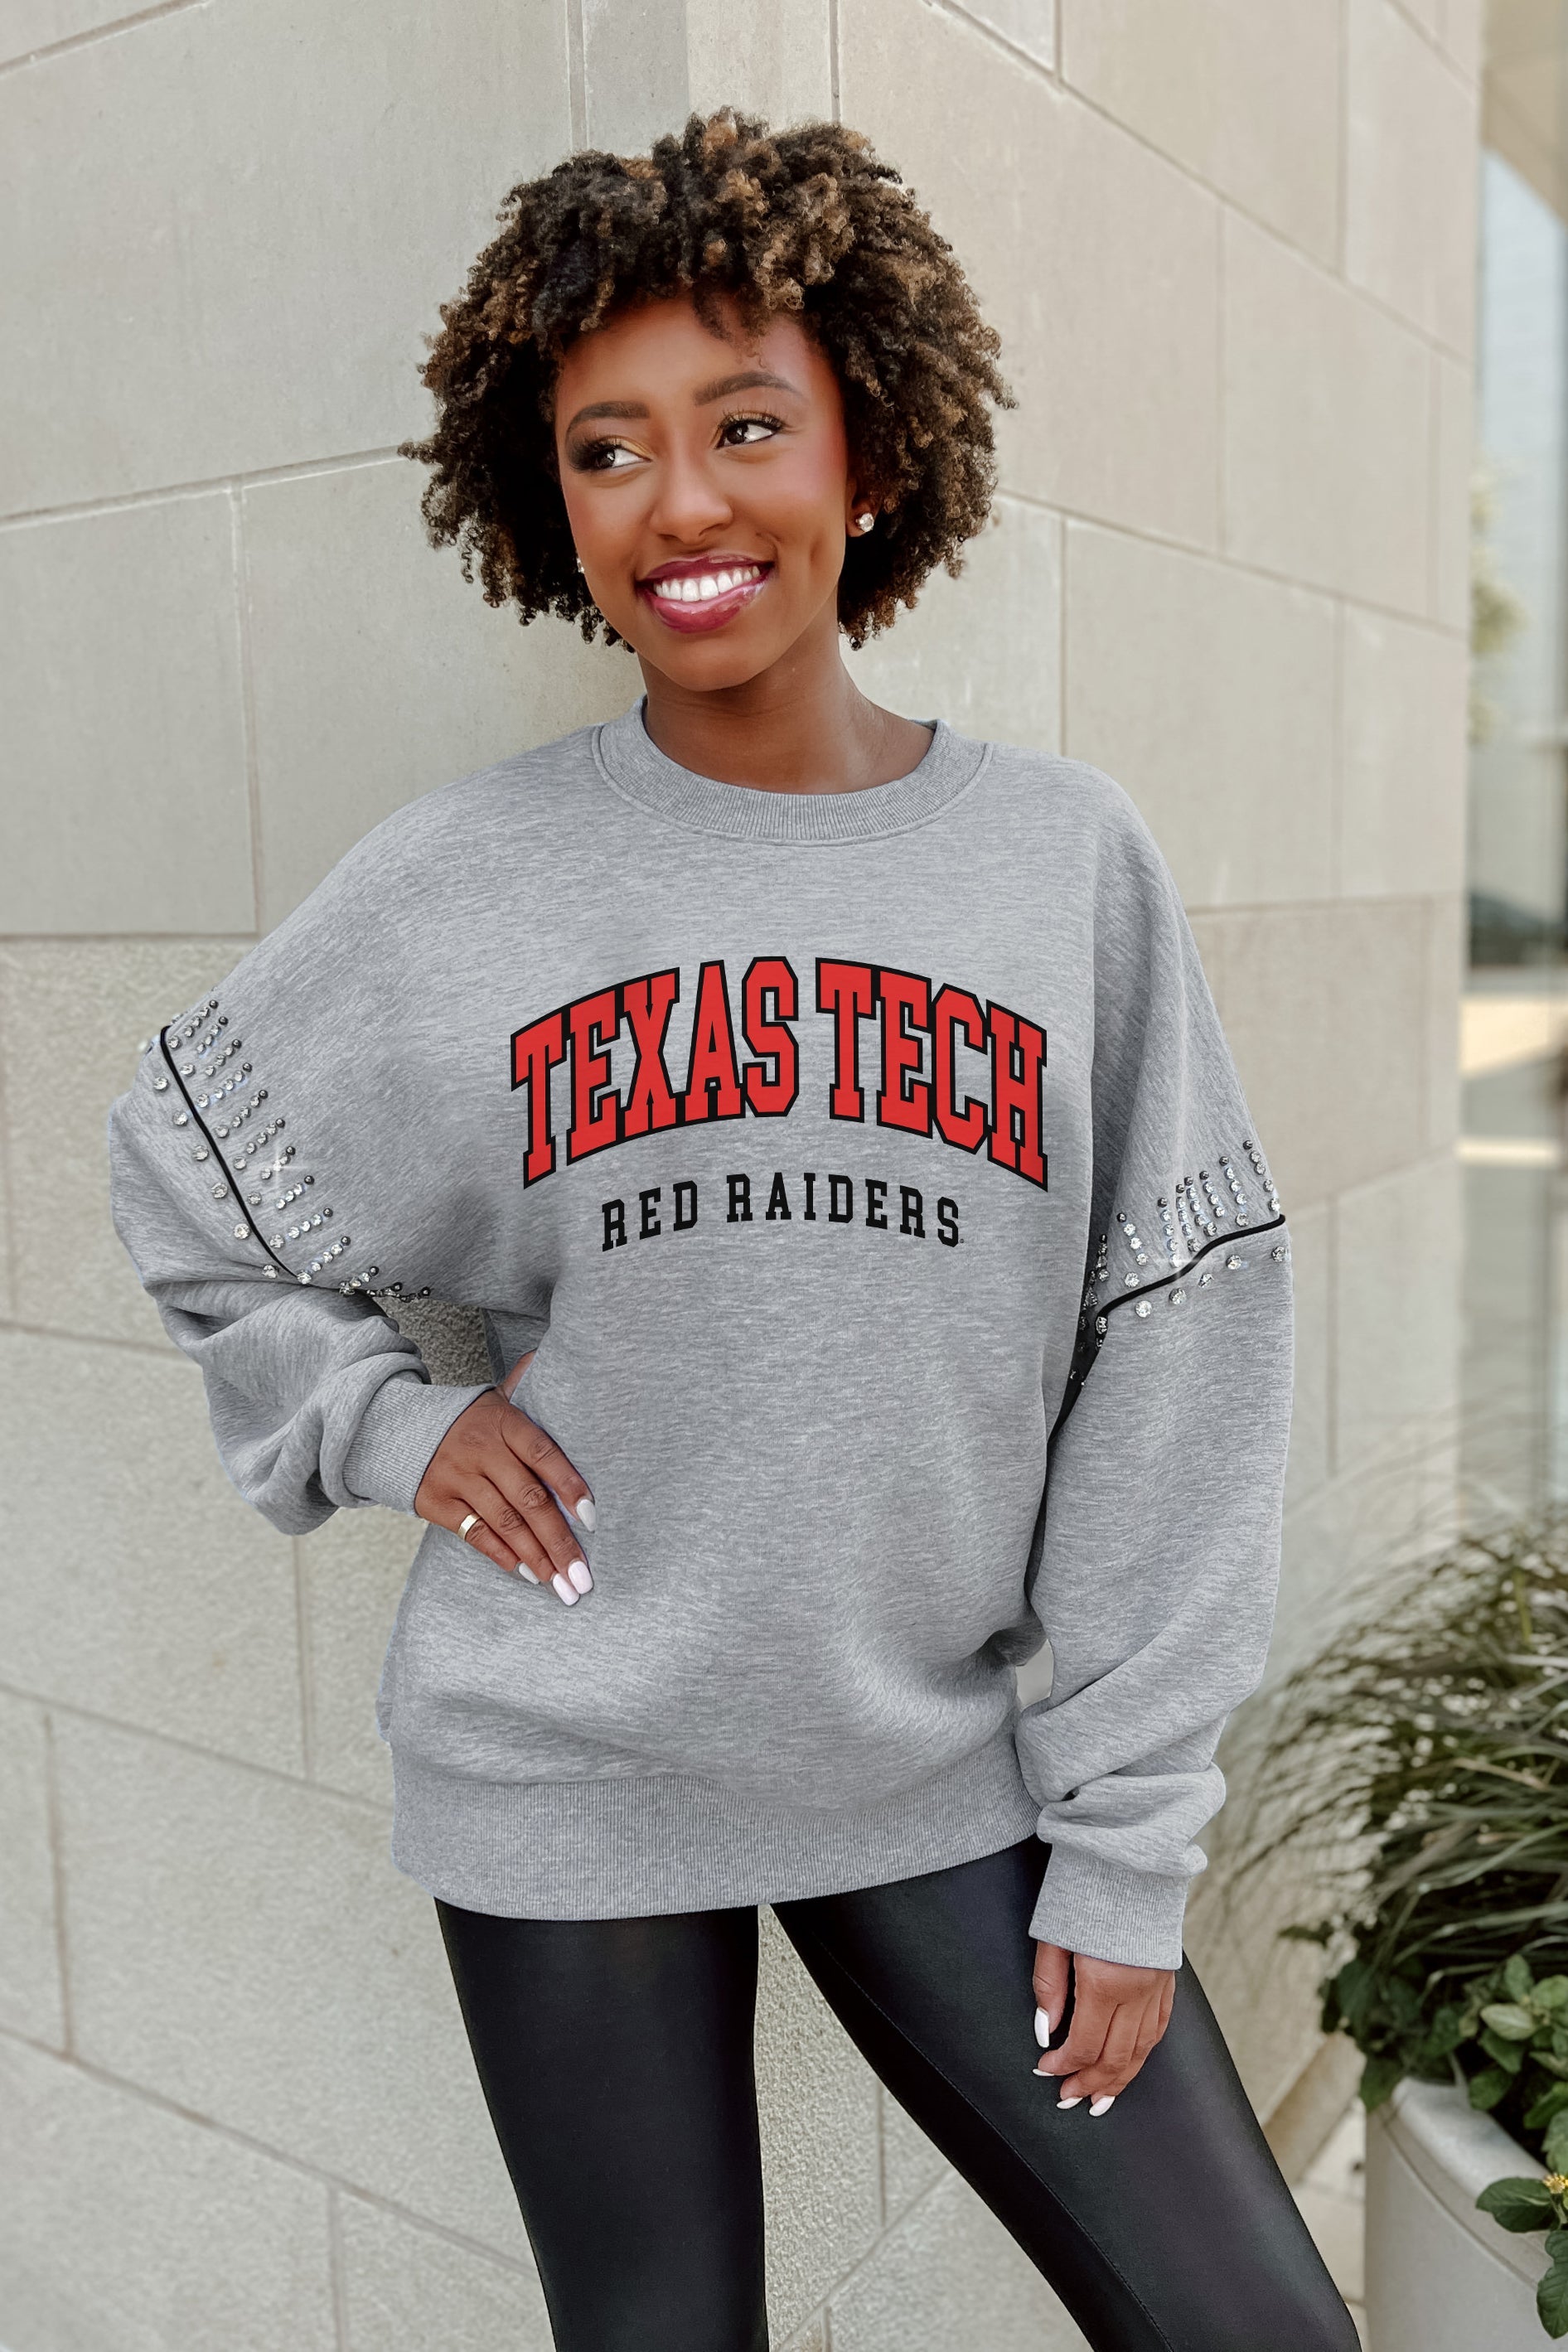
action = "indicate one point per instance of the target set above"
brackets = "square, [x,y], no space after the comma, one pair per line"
[615,2055]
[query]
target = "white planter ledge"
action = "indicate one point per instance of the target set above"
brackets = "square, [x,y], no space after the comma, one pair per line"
[1440,2276]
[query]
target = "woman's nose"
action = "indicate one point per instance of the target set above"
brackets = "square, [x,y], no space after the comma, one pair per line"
[691,501]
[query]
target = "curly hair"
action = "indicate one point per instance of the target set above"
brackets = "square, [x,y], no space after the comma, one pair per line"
[805,220]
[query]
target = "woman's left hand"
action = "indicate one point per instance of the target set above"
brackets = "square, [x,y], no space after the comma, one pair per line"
[1118,2014]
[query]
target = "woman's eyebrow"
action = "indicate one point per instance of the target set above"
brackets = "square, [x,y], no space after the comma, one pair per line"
[751,380]
[607,408]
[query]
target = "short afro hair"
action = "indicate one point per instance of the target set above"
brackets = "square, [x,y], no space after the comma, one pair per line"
[805,220]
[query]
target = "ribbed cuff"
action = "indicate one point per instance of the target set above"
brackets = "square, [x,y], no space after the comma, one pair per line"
[403,1425]
[1108,1911]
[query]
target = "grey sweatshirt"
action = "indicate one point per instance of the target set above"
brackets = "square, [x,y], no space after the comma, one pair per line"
[871,1176]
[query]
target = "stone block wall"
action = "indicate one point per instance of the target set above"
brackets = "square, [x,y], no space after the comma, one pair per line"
[1229,250]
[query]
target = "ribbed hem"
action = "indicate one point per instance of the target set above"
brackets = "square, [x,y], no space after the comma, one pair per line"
[628,1849]
[399,1431]
[1108,1912]
[633,765]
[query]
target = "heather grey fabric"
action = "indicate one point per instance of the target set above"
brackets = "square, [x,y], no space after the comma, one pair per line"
[939,1151]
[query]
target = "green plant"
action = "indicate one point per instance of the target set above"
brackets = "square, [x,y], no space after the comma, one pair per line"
[1507,2043]
[1531,2204]
[1509,2040]
[1417,1769]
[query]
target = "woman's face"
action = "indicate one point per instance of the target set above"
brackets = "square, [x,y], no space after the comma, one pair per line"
[707,488]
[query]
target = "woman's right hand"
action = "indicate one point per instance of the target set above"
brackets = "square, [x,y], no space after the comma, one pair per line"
[497,1463]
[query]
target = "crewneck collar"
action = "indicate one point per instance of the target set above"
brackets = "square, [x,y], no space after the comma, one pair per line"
[637,768]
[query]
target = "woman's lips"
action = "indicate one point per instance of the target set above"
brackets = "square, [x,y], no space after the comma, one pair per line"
[697,600]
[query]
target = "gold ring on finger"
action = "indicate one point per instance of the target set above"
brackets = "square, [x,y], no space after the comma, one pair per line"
[471,1521]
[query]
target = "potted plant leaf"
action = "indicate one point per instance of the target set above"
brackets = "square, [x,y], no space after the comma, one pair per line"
[1417,1770]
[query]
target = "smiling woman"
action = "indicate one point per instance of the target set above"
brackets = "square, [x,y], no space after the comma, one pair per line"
[807,227]
[881,1274]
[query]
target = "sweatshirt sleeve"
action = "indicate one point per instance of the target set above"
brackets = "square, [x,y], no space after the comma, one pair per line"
[1158,1557]
[317,1401]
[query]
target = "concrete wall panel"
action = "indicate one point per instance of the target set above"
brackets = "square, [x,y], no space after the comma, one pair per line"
[1447,950]
[1410,201]
[1089,207]
[636,71]
[1248,98]
[1454,438]
[1397,1390]
[31,1995]
[1321,483]
[404,2285]
[1265,1990]
[242,1944]
[40,23]
[781,58]
[1199,687]
[1461,35]
[947,2274]
[1325,1010]
[32,24]
[910,2165]
[1402,750]
[120,672]
[352,1573]
[137,1585]
[821,2154]
[125,2227]
[1311,1426]
[233,271]
[1027,25]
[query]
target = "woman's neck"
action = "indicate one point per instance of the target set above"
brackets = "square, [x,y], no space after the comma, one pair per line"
[802,726]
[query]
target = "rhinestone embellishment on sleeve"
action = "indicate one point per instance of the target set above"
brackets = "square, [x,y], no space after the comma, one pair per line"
[219,1106]
[1194,1215]
[1202,1219]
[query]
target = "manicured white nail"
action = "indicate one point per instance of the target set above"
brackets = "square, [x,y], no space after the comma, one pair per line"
[1097,2106]
[1076,2101]
[582,1512]
[581,1575]
[567,1590]
[523,1570]
[1042,2026]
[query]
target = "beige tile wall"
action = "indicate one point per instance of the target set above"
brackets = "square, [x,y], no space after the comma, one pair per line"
[1232,263]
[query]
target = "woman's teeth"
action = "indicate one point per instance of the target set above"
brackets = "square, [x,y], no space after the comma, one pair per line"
[700,587]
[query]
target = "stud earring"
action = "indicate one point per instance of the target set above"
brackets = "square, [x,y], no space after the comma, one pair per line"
[579,564]
[864,521]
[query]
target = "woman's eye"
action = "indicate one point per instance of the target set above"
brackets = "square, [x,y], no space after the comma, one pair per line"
[740,432]
[602,457]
